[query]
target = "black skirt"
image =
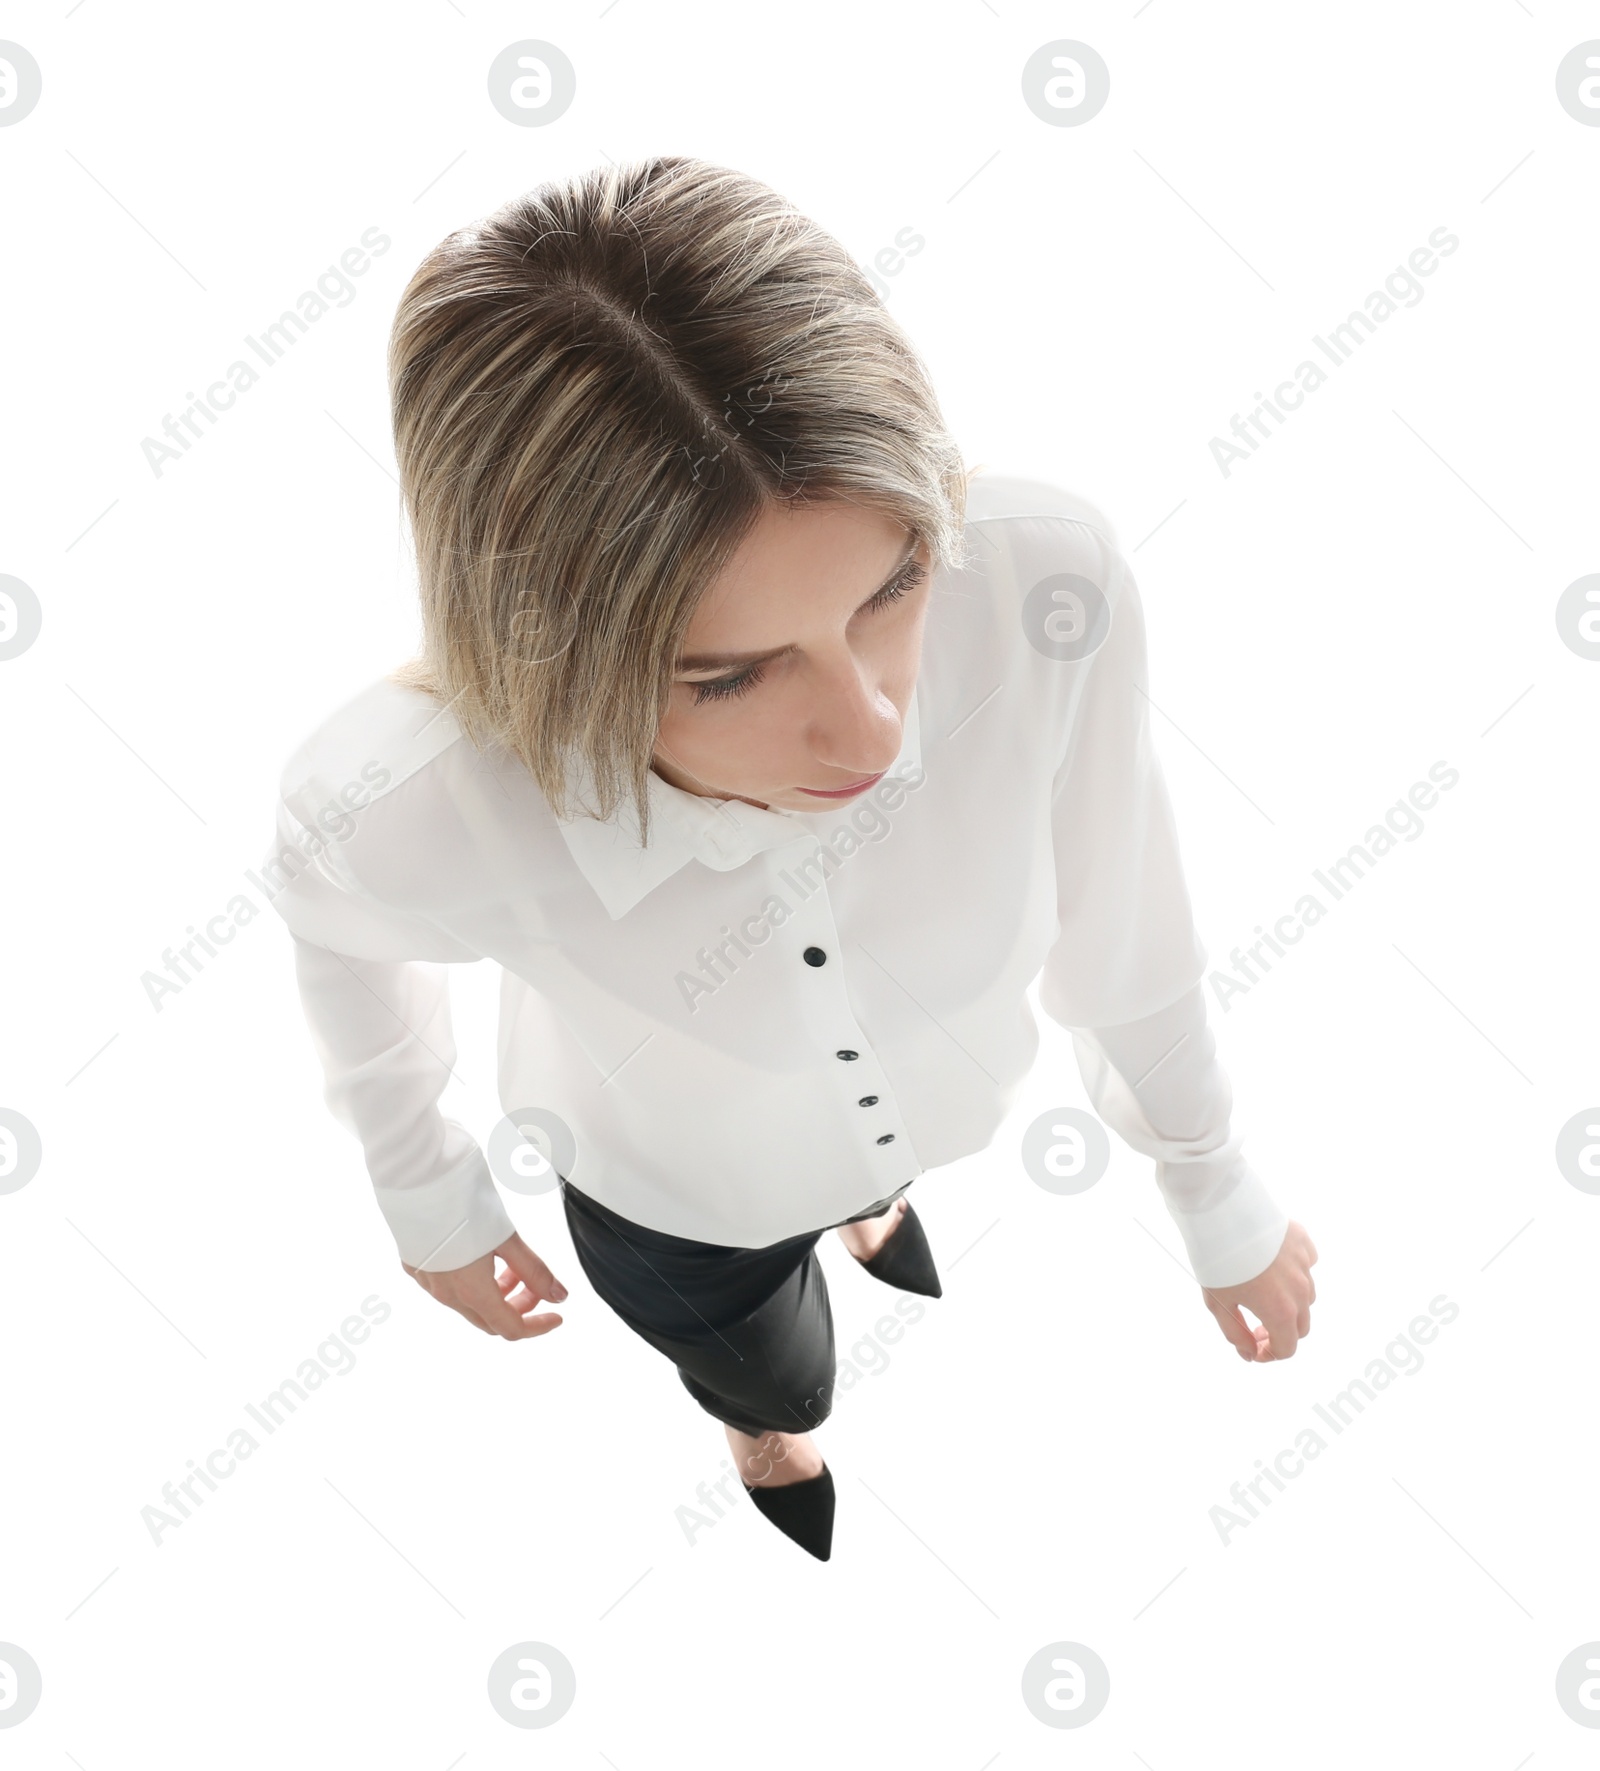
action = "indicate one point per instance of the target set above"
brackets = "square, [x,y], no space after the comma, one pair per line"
[749,1329]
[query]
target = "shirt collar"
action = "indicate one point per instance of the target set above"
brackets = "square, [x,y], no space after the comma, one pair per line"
[721,833]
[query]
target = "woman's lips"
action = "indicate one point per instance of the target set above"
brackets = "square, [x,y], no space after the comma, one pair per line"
[844,792]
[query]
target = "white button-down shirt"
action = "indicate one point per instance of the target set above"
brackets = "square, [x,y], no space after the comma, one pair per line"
[768,1020]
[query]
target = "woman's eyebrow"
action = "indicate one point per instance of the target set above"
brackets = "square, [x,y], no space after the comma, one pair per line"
[699,661]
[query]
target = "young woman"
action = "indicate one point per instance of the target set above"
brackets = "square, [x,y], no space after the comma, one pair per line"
[772,761]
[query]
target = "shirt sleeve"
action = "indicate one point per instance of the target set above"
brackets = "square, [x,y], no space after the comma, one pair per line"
[1124,973]
[376,995]
[1158,1083]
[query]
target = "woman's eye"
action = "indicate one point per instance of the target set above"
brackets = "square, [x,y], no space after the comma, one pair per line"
[908,580]
[726,686]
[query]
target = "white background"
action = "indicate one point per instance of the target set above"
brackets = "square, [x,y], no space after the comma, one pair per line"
[1371,592]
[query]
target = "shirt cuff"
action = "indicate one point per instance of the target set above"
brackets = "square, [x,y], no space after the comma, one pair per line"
[1230,1224]
[451,1221]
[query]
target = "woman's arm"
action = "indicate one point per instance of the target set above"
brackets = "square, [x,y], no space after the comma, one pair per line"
[1124,974]
[383,1033]
[1158,1083]
[376,997]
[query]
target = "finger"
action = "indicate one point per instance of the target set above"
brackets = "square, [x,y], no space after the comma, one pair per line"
[514,1324]
[520,1300]
[524,1281]
[1279,1321]
[517,1304]
[1303,1320]
[1230,1320]
[533,1272]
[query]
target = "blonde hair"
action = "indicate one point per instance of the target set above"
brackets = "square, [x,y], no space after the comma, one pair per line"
[596,391]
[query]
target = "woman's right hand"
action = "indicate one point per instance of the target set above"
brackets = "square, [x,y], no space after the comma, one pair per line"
[498,1303]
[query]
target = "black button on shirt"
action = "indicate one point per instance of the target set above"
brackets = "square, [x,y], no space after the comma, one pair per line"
[814,956]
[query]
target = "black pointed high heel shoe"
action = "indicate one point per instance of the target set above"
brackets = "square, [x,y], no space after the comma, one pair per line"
[800,1510]
[905,1261]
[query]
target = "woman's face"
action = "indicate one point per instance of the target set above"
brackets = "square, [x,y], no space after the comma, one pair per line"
[796,672]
